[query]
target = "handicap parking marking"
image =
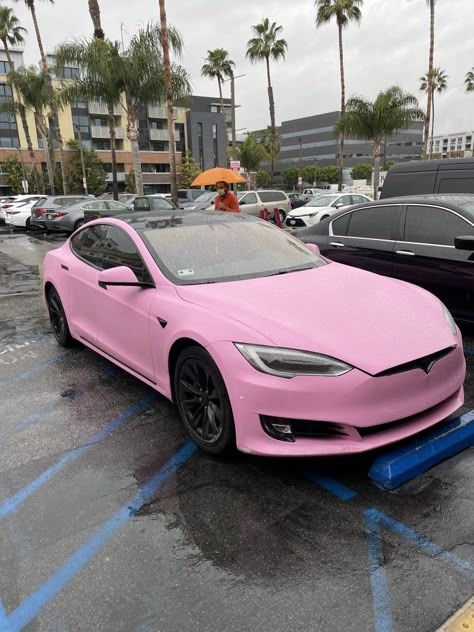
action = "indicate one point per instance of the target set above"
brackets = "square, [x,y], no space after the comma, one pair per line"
[330,485]
[30,608]
[10,505]
[35,369]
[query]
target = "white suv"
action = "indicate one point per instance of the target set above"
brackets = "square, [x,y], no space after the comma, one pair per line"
[252,202]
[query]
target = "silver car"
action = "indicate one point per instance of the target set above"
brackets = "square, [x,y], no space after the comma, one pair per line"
[70,218]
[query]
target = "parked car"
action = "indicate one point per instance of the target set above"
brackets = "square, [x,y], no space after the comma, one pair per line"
[71,217]
[312,192]
[429,176]
[154,202]
[178,303]
[322,206]
[410,238]
[298,199]
[142,204]
[201,203]
[15,202]
[188,195]
[53,204]
[19,215]
[252,202]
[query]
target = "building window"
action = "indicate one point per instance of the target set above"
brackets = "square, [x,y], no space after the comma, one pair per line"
[9,142]
[108,167]
[155,168]
[157,146]
[5,67]
[98,122]
[68,73]
[179,128]
[200,145]
[214,143]
[101,145]
[143,145]
[79,105]
[156,124]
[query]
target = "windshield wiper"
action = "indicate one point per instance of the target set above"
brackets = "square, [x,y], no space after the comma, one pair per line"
[289,271]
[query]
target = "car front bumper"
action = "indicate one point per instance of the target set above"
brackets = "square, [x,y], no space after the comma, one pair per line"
[362,412]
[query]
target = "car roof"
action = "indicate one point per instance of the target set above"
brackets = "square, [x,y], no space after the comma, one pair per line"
[447,199]
[432,165]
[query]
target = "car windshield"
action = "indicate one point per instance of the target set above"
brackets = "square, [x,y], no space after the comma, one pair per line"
[240,194]
[207,196]
[468,207]
[321,200]
[192,253]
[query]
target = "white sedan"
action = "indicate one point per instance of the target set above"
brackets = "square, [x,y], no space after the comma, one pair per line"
[323,206]
[19,213]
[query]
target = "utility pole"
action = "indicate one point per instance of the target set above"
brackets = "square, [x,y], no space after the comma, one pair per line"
[81,150]
[301,162]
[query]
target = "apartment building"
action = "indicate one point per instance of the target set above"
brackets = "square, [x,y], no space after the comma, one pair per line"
[89,121]
[458,145]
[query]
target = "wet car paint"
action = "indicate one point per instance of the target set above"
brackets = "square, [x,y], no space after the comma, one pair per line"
[230,544]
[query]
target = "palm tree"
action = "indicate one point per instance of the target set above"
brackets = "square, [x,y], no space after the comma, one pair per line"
[52,99]
[344,11]
[262,47]
[469,80]
[11,33]
[169,99]
[31,85]
[218,65]
[94,11]
[393,110]
[439,85]
[429,88]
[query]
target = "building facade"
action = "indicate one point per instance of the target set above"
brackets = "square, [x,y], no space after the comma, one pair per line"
[457,145]
[207,135]
[312,141]
[89,120]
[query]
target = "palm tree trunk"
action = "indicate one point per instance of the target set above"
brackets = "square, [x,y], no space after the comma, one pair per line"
[432,124]
[94,11]
[54,109]
[112,135]
[377,153]
[44,133]
[223,116]
[340,162]
[169,101]
[430,80]
[132,135]
[24,124]
[271,103]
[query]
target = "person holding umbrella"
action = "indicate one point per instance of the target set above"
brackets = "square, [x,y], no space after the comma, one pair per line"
[225,200]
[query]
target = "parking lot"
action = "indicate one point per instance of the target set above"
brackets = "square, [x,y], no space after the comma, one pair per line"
[112,520]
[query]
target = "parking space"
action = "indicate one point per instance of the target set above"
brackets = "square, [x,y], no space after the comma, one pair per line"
[112,520]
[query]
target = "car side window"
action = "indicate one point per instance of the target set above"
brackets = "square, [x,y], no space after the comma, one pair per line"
[116,206]
[87,244]
[95,206]
[160,203]
[265,196]
[119,250]
[279,197]
[141,204]
[249,198]
[432,225]
[358,199]
[375,222]
[341,224]
[346,200]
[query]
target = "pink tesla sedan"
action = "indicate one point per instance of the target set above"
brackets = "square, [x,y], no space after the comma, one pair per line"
[259,341]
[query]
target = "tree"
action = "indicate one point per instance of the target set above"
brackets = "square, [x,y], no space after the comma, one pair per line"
[271,141]
[218,65]
[14,175]
[393,110]
[251,153]
[262,179]
[32,87]
[309,174]
[388,164]
[469,80]
[49,82]
[95,172]
[265,45]
[290,177]
[344,11]
[130,182]
[189,171]
[429,88]
[439,85]
[330,174]
[94,11]
[361,172]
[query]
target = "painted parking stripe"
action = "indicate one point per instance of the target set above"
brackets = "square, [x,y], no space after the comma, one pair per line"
[330,485]
[11,504]
[469,351]
[4,625]
[378,578]
[30,608]
[397,466]
[35,369]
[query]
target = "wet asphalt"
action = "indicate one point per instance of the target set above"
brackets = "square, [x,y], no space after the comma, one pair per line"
[110,520]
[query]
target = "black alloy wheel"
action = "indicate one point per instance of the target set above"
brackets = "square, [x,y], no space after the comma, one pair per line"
[58,319]
[203,402]
[78,224]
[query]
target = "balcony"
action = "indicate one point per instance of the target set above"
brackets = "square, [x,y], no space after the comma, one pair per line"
[101,108]
[103,132]
[160,112]
[162,134]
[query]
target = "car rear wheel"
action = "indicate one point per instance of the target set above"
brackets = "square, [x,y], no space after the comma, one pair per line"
[28,224]
[202,401]
[57,317]
[78,224]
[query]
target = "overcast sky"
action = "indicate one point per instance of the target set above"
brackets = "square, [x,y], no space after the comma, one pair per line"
[390,46]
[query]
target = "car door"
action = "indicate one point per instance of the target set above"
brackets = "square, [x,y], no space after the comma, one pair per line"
[80,284]
[365,238]
[123,312]
[249,204]
[427,257]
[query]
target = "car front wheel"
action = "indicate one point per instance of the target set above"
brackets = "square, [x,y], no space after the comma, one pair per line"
[202,401]
[57,317]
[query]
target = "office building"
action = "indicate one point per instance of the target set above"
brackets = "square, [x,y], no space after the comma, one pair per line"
[206,132]
[457,145]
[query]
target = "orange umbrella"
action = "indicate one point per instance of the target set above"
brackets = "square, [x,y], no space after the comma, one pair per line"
[218,174]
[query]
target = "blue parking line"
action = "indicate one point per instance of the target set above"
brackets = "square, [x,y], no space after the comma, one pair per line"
[330,485]
[4,624]
[469,351]
[11,504]
[33,370]
[30,608]
[378,579]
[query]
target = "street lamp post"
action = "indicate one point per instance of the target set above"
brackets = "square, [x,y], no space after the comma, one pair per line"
[301,162]
[233,108]
[84,176]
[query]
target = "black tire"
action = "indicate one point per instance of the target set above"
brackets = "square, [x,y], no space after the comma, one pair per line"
[324,217]
[78,224]
[202,401]
[57,317]
[28,225]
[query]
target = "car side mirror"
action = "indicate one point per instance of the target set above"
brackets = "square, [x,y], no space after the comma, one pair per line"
[464,243]
[121,276]
[339,205]
[314,248]
[242,202]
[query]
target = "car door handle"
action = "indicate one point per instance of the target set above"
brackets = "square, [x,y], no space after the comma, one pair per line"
[406,253]
[337,244]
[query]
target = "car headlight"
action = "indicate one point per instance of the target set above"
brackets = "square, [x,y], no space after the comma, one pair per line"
[450,320]
[289,363]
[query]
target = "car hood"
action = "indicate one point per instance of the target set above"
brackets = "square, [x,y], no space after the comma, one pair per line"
[307,210]
[369,321]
